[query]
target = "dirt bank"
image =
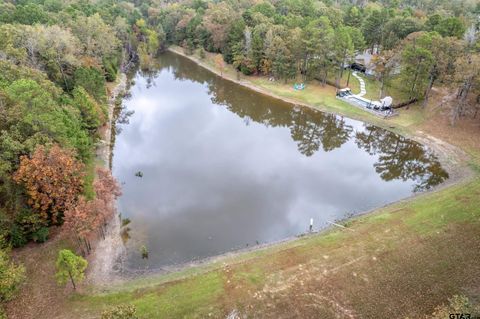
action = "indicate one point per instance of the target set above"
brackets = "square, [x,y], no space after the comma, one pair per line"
[104,148]
[108,252]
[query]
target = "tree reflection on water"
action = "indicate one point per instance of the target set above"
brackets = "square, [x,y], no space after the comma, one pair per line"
[399,158]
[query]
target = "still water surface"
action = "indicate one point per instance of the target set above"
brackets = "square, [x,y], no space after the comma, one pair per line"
[225,167]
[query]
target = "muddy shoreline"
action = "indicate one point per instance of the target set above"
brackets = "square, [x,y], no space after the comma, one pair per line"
[106,269]
[108,251]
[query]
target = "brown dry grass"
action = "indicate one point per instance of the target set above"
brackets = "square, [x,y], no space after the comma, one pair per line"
[466,131]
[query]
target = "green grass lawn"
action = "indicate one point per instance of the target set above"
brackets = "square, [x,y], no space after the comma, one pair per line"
[197,296]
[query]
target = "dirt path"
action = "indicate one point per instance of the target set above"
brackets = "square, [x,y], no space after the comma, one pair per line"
[40,296]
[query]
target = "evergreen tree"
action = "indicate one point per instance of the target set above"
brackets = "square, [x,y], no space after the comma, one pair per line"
[70,267]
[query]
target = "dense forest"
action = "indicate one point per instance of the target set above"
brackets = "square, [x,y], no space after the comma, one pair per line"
[58,59]
[428,43]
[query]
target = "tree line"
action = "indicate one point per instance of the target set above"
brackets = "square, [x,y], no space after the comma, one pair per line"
[419,44]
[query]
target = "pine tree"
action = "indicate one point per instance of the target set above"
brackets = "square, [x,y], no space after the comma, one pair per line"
[70,266]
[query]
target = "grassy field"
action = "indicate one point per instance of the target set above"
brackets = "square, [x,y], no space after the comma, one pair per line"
[399,261]
[402,260]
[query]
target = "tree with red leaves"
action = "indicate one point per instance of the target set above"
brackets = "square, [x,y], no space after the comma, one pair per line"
[107,190]
[53,180]
[89,217]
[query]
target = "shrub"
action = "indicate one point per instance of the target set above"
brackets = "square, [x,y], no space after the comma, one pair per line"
[246,70]
[18,238]
[201,53]
[29,221]
[457,304]
[41,235]
[12,276]
[120,312]
[125,221]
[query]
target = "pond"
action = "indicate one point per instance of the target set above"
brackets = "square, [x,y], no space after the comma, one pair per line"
[208,166]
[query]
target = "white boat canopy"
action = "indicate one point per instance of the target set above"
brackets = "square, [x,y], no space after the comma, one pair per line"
[387,101]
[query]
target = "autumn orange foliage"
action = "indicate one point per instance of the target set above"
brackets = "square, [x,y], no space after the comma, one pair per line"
[53,180]
[89,218]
